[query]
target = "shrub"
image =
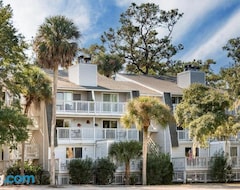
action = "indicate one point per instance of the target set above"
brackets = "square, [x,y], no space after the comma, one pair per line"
[81,171]
[220,170]
[133,179]
[159,169]
[104,171]
[29,169]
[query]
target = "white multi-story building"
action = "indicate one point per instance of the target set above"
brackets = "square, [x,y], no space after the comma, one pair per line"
[175,140]
[88,111]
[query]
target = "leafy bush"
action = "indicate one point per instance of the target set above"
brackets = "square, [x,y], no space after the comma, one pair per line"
[220,170]
[104,171]
[29,169]
[133,179]
[159,169]
[81,171]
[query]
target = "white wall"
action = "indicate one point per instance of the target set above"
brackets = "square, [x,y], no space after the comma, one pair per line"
[83,74]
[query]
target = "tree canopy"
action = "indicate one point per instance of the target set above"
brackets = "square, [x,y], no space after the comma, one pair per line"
[12,48]
[13,125]
[230,76]
[124,151]
[108,64]
[144,37]
[203,112]
[233,49]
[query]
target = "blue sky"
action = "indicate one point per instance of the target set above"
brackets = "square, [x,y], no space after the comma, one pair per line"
[203,30]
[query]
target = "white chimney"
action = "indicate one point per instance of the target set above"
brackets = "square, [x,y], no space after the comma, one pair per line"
[188,77]
[83,74]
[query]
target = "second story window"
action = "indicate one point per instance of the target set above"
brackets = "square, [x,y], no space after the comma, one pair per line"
[64,100]
[109,124]
[110,97]
[110,102]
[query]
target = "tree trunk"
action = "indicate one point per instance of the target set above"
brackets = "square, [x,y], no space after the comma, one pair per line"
[127,172]
[144,152]
[53,123]
[22,158]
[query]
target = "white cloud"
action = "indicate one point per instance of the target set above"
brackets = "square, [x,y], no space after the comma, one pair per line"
[214,44]
[28,15]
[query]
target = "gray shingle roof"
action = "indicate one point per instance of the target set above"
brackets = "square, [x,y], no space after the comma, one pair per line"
[103,82]
[158,83]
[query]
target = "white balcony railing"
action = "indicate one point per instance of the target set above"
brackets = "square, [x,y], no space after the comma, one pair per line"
[87,133]
[90,107]
[31,152]
[62,165]
[185,163]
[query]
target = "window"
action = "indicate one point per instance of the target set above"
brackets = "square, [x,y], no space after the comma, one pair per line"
[188,151]
[233,151]
[64,100]
[59,123]
[76,96]
[74,152]
[109,124]
[110,102]
[110,97]
[176,100]
[62,123]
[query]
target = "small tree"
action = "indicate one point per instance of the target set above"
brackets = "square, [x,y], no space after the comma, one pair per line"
[123,152]
[81,171]
[220,169]
[104,171]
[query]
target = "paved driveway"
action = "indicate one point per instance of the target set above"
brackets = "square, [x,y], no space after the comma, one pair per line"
[235,186]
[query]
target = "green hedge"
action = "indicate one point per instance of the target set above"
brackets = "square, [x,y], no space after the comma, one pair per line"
[159,169]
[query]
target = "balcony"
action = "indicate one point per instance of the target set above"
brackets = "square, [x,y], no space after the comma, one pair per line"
[31,152]
[200,163]
[90,107]
[4,164]
[76,134]
[62,165]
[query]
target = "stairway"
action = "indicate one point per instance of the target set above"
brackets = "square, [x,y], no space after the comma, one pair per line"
[153,148]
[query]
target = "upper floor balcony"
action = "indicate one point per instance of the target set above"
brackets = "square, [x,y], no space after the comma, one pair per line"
[184,135]
[31,152]
[90,107]
[91,134]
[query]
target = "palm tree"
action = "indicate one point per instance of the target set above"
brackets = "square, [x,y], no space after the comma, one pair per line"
[55,44]
[124,151]
[141,111]
[35,86]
